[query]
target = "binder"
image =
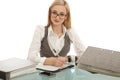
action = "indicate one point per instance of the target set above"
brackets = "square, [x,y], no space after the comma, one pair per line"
[14,67]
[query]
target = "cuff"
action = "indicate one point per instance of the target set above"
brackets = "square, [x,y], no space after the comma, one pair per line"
[42,60]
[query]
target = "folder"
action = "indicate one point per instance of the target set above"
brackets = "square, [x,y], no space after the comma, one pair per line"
[49,68]
[14,67]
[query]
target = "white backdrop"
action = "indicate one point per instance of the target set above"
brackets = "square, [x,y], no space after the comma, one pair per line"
[97,23]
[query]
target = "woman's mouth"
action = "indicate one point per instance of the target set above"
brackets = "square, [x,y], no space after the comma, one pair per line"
[56,21]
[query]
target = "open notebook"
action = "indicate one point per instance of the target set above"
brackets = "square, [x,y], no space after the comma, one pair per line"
[52,68]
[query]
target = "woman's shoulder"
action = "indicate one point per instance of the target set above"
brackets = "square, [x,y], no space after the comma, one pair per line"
[41,27]
[70,31]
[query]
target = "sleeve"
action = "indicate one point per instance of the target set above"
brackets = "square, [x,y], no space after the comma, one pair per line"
[34,50]
[78,46]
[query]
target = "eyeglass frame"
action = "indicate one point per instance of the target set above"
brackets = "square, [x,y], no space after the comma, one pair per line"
[55,14]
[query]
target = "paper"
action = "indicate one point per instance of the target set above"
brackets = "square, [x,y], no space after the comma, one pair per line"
[51,68]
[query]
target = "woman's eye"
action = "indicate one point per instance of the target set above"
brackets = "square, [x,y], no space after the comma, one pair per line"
[54,12]
[62,14]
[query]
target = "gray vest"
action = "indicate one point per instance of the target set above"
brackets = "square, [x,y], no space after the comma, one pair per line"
[45,49]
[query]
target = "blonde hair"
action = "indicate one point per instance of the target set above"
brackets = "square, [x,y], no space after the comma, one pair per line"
[67,22]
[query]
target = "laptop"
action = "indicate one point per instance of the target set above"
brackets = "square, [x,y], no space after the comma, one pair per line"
[96,59]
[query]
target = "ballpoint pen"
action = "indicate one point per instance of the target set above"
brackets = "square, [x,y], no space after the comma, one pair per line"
[55,52]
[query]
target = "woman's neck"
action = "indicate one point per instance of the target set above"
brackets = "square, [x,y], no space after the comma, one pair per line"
[58,30]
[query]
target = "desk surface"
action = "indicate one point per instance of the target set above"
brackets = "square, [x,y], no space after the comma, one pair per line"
[67,74]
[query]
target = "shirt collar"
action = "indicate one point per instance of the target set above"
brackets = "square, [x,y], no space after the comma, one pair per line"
[50,31]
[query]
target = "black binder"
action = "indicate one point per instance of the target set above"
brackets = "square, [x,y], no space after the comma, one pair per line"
[5,75]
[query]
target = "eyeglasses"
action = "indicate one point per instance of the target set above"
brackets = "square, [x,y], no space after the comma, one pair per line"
[55,14]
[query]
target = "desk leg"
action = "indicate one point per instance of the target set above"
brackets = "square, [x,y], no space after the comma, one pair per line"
[5,75]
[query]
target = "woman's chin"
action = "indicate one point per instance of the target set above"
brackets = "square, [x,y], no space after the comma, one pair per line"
[56,24]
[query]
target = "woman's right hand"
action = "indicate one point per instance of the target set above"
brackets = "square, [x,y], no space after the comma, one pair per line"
[54,61]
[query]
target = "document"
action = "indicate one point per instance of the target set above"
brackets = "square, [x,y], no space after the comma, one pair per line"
[52,68]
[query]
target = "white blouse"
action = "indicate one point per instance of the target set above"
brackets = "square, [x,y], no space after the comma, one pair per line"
[56,43]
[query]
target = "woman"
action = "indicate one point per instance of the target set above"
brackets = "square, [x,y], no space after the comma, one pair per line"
[51,43]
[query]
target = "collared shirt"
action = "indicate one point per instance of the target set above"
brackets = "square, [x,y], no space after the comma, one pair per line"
[56,43]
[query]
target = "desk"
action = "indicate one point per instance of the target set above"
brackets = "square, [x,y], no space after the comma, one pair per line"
[67,74]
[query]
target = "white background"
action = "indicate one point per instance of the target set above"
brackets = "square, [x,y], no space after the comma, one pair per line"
[97,23]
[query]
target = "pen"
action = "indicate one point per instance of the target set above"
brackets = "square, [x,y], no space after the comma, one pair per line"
[55,52]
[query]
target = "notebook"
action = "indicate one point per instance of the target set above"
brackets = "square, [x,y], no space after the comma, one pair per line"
[52,68]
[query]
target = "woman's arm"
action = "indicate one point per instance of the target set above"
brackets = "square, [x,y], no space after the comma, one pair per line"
[77,43]
[34,50]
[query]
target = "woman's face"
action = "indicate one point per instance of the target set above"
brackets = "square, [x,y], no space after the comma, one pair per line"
[58,15]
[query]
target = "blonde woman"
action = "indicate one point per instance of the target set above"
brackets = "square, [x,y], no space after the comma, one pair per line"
[51,43]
